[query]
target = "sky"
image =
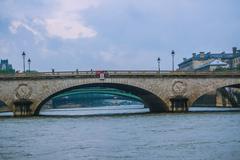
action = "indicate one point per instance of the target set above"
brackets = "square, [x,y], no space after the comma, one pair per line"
[114,34]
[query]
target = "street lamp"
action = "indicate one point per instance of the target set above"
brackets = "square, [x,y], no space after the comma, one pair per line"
[29,64]
[159,60]
[173,54]
[24,56]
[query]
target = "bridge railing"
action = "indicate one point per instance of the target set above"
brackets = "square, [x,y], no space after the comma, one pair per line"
[93,73]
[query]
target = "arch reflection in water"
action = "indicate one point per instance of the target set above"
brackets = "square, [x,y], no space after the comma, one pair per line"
[93,101]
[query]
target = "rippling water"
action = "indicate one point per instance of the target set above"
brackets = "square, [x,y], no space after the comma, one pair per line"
[198,136]
[105,110]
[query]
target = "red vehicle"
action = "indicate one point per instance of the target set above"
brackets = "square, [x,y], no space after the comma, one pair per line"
[101,74]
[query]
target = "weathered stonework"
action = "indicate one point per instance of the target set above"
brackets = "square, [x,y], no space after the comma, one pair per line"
[38,89]
[23,91]
[179,88]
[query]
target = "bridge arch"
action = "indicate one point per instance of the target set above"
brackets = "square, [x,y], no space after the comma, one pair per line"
[212,89]
[154,102]
[5,106]
[100,91]
[6,101]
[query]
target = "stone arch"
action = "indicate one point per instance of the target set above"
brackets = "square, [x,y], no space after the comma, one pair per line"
[215,86]
[154,102]
[112,93]
[6,103]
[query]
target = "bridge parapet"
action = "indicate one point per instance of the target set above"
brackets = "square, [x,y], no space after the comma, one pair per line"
[120,73]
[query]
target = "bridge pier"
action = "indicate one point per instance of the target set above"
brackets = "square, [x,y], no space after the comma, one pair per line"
[22,108]
[156,109]
[179,104]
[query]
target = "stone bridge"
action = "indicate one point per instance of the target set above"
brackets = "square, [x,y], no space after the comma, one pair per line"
[25,94]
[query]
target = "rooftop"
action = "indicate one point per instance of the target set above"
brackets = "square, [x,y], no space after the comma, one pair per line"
[215,62]
[209,55]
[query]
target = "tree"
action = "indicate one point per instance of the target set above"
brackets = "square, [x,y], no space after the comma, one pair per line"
[8,71]
[238,67]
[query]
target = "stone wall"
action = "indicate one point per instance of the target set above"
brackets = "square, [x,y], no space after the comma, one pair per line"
[156,91]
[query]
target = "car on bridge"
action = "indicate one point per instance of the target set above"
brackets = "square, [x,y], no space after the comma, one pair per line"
[102,74]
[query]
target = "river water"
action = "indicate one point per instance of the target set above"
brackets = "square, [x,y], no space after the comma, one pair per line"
[142,136]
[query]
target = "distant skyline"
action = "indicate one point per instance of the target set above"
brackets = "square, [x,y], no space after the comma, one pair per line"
[112,34]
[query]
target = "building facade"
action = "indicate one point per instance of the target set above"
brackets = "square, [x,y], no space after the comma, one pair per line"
[236,58]
[211,61]
[5,66]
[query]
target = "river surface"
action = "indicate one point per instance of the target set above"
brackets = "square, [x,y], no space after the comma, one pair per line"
[142,136]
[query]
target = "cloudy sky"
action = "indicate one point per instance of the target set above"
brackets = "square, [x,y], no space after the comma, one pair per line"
[114,34]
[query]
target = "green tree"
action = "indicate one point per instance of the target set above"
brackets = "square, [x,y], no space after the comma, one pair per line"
[238,67]
[9,71]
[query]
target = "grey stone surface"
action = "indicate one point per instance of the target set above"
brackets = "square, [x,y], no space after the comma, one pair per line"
[39,89]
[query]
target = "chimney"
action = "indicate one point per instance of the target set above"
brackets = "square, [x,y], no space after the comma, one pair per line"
[202,55]
[184,59]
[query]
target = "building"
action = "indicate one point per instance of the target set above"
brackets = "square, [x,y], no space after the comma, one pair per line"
[236,58]
[213,65]
[5,66]
[211,61]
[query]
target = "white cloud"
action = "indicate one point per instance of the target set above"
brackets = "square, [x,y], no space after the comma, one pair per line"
[38,22]
[68,29]
[16,24]
[64,20]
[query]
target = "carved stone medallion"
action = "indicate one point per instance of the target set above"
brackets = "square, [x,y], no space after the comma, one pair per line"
[179,87]
[23,91]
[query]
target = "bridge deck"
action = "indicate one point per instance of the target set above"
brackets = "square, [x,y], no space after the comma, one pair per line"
[118,74]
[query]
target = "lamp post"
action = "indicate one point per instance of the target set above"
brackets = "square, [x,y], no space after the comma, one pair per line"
[173,54]
[29,64]
[24,56]
[159,60]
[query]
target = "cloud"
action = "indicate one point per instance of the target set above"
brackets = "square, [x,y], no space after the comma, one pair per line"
[63,20]
[127,34]
[68,29]
[15,25]
[66,21]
